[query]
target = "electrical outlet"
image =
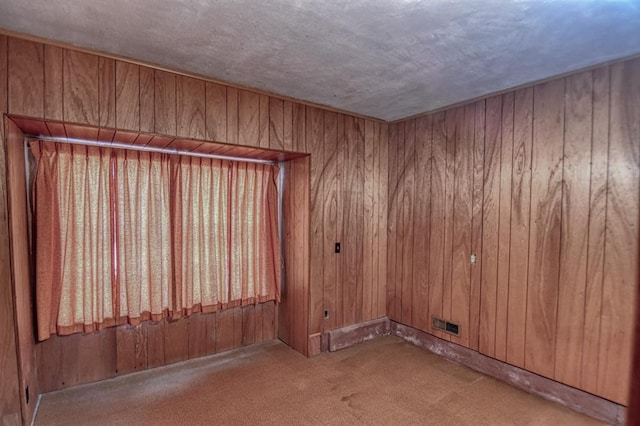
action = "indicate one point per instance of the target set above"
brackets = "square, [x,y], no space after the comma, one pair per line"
[474,258]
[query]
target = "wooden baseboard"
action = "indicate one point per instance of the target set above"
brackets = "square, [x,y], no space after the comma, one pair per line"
[358,333]
[314,345]
[570,397]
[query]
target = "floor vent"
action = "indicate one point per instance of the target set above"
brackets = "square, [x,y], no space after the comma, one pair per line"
[445,326]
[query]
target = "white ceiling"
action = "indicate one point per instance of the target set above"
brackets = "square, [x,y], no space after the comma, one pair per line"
[381,58]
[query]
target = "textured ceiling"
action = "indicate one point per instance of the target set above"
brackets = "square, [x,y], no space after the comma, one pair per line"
[382,58]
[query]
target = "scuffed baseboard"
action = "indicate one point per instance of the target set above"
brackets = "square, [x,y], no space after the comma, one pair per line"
[342,338]
[575,399]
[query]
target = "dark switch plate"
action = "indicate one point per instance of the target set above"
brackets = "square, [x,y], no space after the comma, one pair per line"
[337,248]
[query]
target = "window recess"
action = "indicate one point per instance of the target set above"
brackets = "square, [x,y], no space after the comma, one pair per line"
[127,233]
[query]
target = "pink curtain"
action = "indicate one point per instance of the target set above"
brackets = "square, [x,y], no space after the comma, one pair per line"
[74,282]
[124,236]
[142,235]
[228,234]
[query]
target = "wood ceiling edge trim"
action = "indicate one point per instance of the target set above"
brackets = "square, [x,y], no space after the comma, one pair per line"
[51,42]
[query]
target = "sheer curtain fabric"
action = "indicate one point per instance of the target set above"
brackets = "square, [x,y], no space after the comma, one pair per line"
[124,236]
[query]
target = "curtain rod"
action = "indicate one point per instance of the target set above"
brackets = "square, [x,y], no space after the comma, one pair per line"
[174,151]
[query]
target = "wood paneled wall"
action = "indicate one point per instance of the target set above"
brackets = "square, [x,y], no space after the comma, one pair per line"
[345,177]
[9,383]
[542,183]
[20,267]
[64,361]
[348,205]
[293,322]
[435,215]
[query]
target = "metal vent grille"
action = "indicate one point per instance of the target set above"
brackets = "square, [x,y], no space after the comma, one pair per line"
[446,326]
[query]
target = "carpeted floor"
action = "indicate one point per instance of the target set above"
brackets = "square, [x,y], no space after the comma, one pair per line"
[385,381]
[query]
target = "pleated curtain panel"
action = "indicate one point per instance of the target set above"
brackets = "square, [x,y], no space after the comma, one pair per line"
[125,236]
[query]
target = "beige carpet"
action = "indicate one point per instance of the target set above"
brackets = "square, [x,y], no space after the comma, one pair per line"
[385,381]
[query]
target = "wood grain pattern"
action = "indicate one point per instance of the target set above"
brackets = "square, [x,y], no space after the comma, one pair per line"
[351,254]
[52,82]
[155,343]
[78,362]
[285,307]
[165,103]
[504,226]
[393,222]
[476,224]
[248,325]
[422,224]
[357,139]
[82,358]
[190,107]
[4,77]
[248,118]
[107,92]
[276,123]
[147,99]
[453,120]
[288,126]
[263,122]
[621,232]
[127,96]
[26,78]
[81,87]
[216,112]
[225,330]
[597,218]
[269,321]
[490,226]
[197,335]
[48,357]
[408,194]
[338,313]
[462,219]
[20,264]
[301,268]
[259,314]
[370,248]
[400,226]
[176,341]
[546,224]
[298,268]
[436,240]
[314,138]
[232,115]
[126,353]
[520,216]
[575,225]
[211,326]
[542,295]
[330,217]
[9,385]
[293,312]
[383,194]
